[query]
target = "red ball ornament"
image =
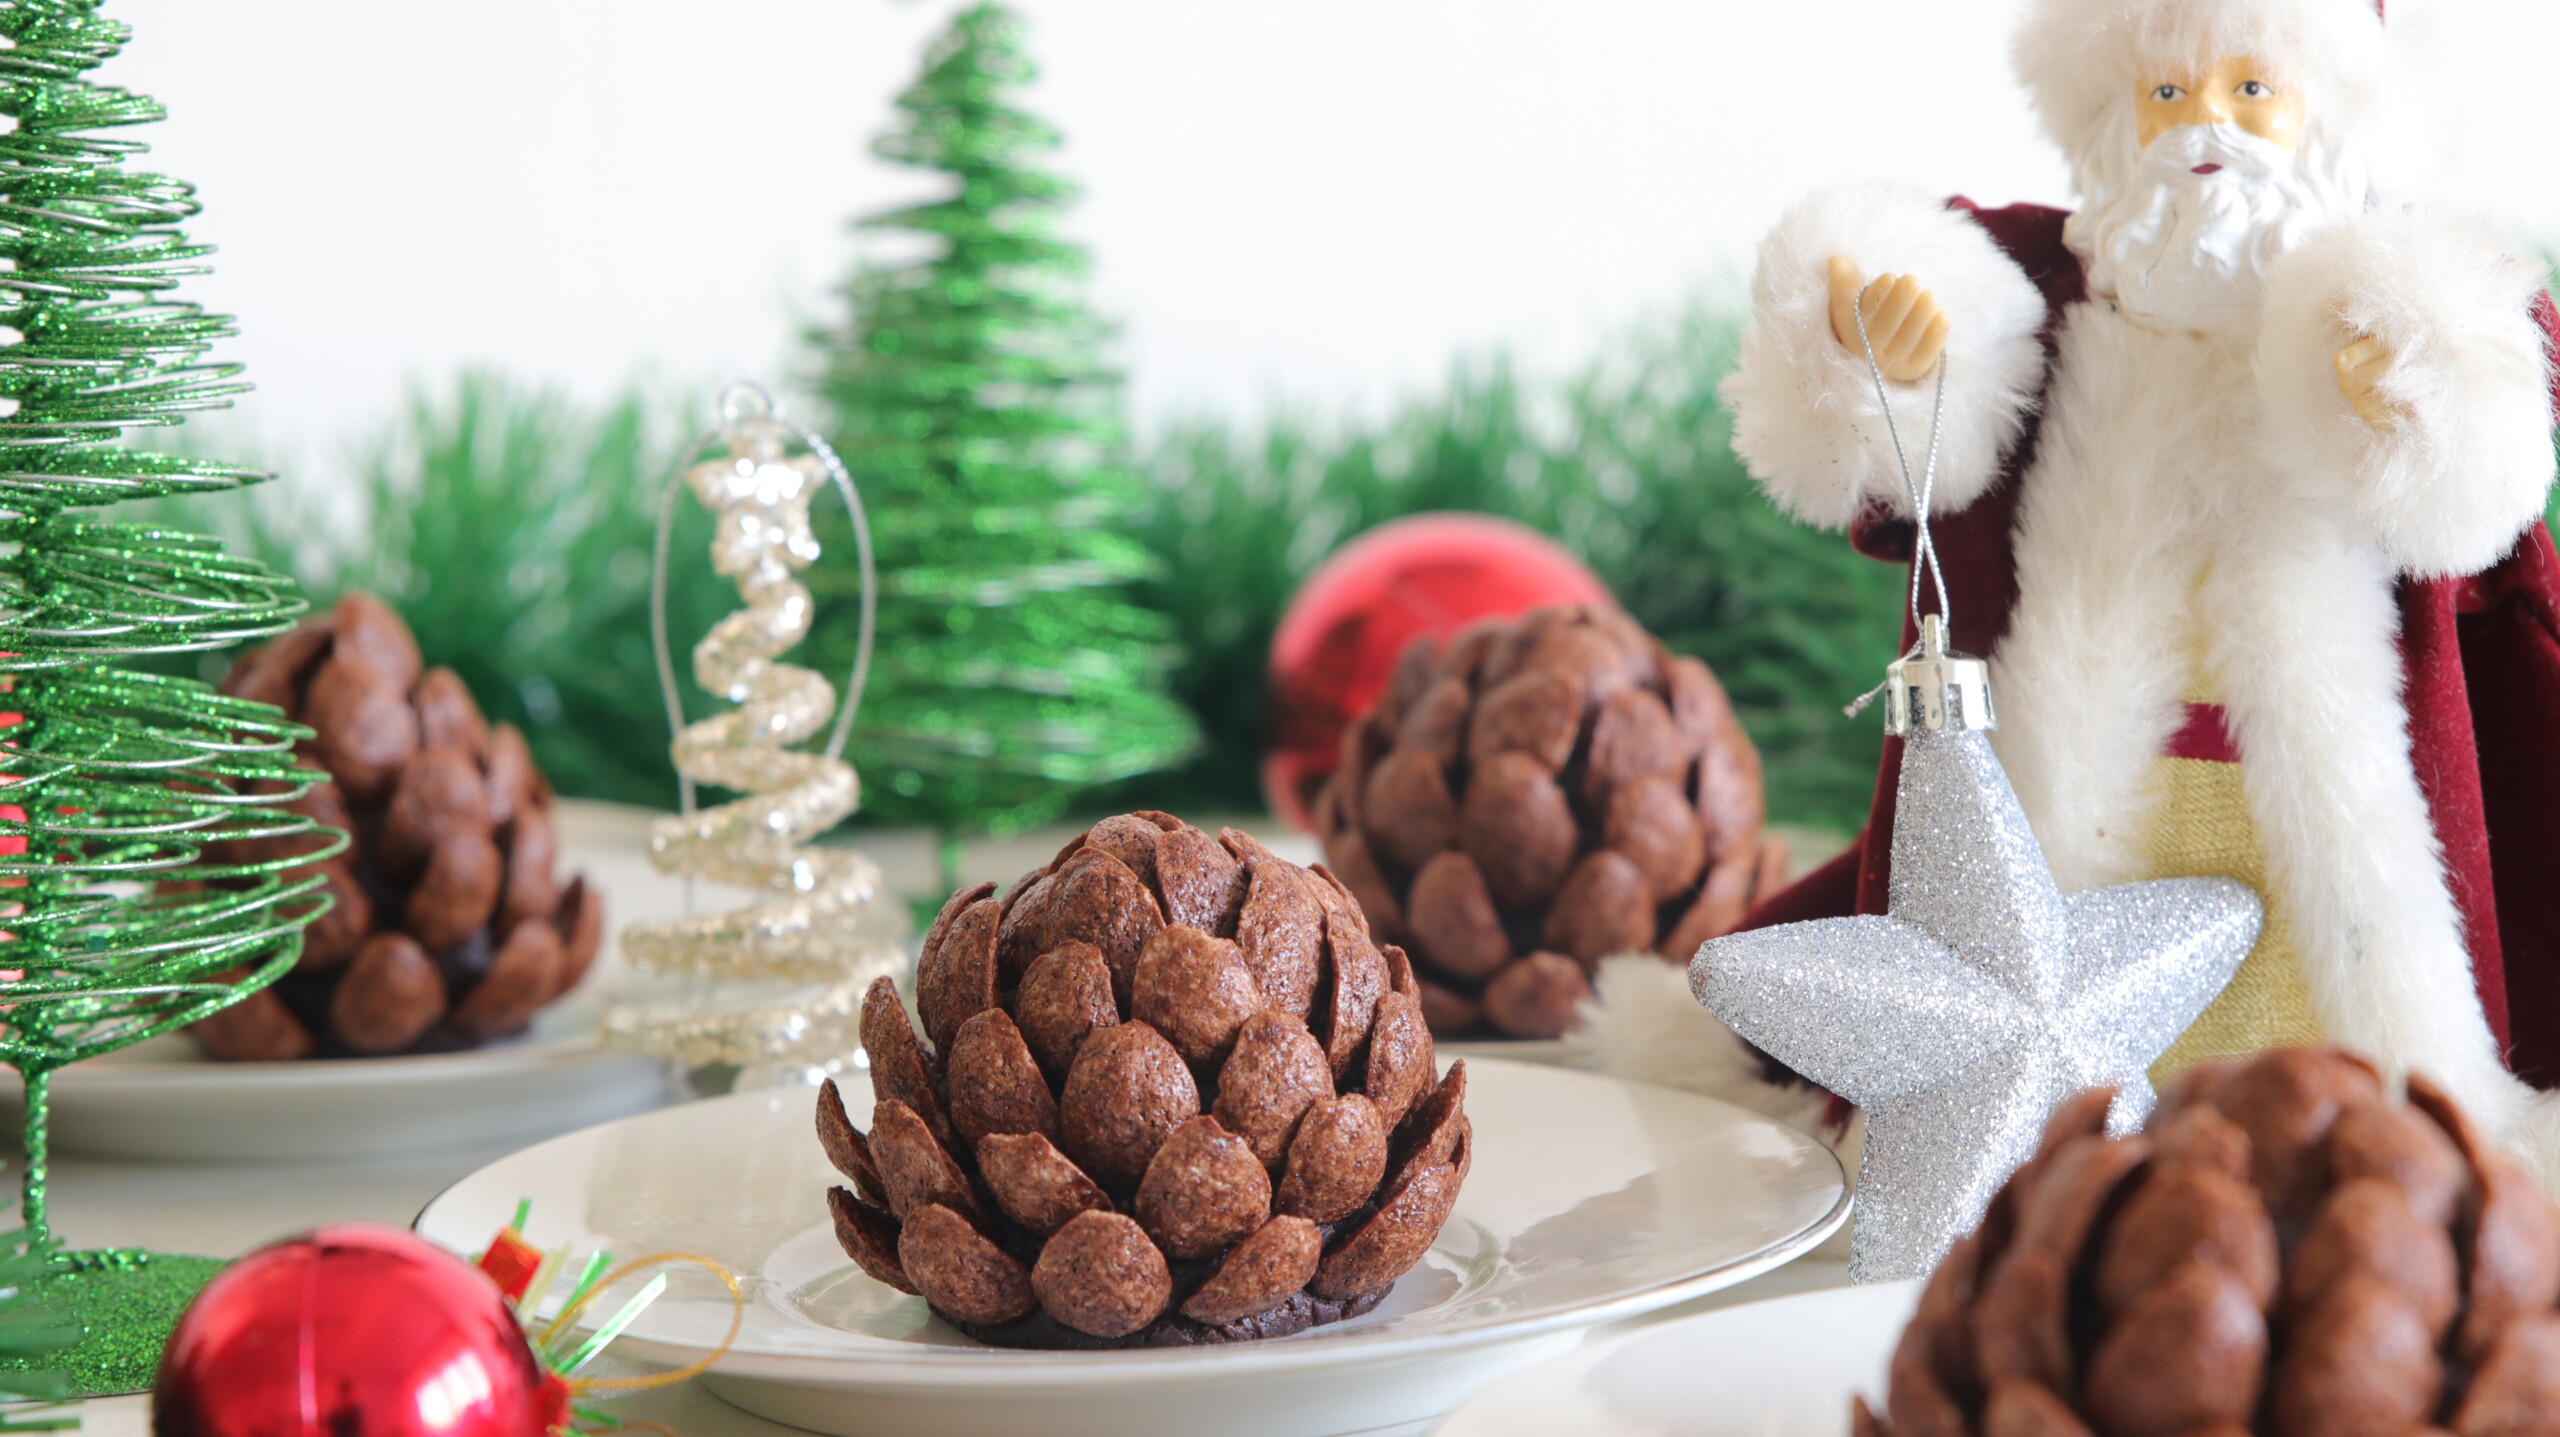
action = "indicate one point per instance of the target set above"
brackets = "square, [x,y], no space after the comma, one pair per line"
[353,1331]
[1337,643]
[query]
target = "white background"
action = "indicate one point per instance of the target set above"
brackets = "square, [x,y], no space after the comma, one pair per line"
[1319,201]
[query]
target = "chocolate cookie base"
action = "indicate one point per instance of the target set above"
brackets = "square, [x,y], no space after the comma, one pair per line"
[1171,1330]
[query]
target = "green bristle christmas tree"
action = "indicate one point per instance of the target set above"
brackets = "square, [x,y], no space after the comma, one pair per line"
[118,924]
[969,400]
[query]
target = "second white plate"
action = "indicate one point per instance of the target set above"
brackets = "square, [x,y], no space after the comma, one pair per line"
[1785,1368]
[1591,1200]
[164,1101]
[161,1101]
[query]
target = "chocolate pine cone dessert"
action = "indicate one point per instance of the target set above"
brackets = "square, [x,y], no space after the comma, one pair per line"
[1168,1092]
[449,926]
[1539,794]
[2283,1250]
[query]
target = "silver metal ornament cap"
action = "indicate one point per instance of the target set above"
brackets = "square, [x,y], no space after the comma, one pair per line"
[1938,690]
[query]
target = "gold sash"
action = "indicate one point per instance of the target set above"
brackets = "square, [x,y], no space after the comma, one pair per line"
[2203,829]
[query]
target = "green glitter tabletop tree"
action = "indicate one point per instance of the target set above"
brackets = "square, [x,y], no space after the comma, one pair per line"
[970,401]
[119,921]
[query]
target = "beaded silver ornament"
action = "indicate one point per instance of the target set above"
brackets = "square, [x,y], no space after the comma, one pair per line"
[825,930]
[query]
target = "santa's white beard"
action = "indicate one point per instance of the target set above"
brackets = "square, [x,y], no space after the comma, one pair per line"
[2182,250]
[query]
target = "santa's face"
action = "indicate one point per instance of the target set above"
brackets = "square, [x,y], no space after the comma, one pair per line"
[2220,185]
[2229,92]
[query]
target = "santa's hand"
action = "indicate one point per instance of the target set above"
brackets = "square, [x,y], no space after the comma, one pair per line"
[1905,326]
[2426,325]
[2360,367]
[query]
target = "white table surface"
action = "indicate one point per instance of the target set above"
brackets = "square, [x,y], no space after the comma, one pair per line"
[225,1211]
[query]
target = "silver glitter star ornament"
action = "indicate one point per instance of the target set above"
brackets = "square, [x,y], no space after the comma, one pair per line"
[1963,1016]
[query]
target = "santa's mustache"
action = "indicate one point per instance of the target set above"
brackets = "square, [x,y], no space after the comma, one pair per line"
[2184,150]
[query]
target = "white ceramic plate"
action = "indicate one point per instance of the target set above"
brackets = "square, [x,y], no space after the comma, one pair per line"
[1785,1368]
[1591,1200]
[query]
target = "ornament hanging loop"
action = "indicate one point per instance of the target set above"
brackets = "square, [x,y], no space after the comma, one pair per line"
[743,402]
[1929,687]
[1922,492]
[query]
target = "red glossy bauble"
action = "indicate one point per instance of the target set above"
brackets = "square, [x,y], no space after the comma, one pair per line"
[352,1331]
[1337,644]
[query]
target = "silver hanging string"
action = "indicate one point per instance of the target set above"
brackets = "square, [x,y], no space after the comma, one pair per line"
[1924,551]
[742,402]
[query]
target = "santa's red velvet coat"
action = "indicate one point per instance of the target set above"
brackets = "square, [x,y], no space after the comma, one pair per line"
[2481,656]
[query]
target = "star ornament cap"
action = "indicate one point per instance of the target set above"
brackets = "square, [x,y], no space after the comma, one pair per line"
[1960,1019]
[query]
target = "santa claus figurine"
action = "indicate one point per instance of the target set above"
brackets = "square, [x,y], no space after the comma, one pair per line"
[2240,485]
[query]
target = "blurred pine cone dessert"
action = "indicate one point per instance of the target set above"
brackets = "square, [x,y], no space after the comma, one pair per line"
[1168,1092]
[1540,794]
[2283,1250]
[449,926]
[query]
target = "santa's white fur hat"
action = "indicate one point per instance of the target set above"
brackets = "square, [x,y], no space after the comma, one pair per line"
[2084,61]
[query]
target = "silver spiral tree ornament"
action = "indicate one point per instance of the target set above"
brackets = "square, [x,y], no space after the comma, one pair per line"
[778,982]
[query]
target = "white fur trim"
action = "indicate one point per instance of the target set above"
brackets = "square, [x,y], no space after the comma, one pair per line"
[1642,1023]
[2083,61]
[2468,465]
[2303,650]
[2535,1137]
[2126,490]
[1805,417]
[2163,523]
